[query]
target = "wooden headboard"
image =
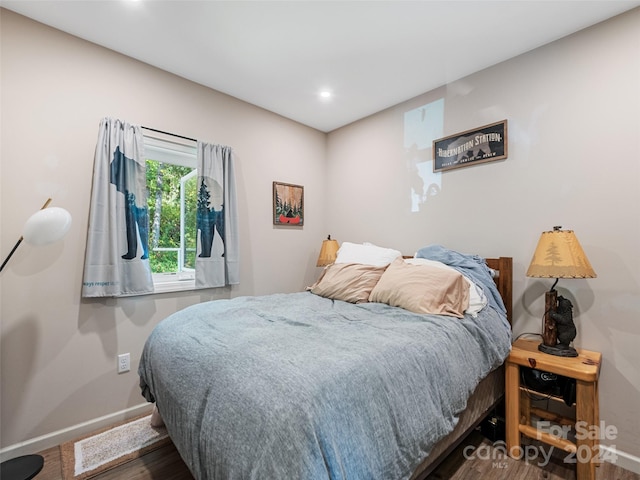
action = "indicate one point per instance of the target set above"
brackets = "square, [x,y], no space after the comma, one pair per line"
[504,278]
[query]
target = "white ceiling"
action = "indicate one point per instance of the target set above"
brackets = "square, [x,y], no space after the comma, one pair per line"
[280,54]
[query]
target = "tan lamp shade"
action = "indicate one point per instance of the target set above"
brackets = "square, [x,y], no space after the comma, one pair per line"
[559,255]
[328,252]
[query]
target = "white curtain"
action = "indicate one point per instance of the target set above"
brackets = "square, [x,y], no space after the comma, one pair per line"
[217,218]
[116,259]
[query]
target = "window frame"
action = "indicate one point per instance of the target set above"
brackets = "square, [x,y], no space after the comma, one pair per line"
[167,150]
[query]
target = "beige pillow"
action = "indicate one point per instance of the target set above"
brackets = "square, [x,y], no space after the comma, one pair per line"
[422,289]
[350,282]
[477,298]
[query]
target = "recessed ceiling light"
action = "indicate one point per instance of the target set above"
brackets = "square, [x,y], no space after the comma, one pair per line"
[325,94]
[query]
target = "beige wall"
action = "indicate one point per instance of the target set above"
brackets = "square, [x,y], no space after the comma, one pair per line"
[574,160]
[59,351]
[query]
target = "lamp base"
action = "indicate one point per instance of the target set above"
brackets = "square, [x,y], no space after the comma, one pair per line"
[21,468]
[558,350]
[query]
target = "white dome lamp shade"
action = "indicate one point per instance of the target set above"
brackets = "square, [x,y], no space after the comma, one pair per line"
[47,225]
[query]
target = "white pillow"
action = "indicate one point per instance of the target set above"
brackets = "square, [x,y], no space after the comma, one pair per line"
[477,298]
[366,254]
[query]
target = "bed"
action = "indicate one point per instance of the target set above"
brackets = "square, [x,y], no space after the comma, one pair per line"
[309,386]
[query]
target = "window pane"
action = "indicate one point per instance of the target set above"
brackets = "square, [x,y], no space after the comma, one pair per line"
[164,182]
[190,234]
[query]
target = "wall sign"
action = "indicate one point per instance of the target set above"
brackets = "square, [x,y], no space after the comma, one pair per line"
[480,145]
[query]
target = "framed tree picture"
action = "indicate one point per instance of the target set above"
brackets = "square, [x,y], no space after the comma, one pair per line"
[288,204]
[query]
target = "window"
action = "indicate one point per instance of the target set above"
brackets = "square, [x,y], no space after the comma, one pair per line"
[172,189]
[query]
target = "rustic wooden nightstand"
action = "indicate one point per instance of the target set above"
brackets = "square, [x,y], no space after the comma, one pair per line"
[585,369]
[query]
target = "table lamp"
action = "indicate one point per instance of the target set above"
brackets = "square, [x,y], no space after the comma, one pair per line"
[559,255]
[328,252]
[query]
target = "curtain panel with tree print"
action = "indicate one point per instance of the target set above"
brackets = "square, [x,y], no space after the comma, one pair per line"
[217,218]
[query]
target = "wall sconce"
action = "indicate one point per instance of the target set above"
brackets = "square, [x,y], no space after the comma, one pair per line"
[559,255]
[328,252]
[47,225]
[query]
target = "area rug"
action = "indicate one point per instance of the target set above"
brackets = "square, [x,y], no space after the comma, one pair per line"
[88,456]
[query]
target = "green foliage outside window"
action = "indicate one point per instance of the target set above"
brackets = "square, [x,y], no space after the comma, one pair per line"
[163,184]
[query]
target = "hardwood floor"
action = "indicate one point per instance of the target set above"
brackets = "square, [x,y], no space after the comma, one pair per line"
[161,464]
[486,461]
[483,461]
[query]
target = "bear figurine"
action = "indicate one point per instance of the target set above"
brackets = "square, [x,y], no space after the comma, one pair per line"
[563,317]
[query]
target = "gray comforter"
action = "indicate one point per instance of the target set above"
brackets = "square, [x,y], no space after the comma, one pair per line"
[296,386]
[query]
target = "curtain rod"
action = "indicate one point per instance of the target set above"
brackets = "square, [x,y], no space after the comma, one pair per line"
[168,133]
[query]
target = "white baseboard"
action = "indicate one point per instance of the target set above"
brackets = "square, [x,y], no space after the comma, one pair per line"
[621,459]
[53,439]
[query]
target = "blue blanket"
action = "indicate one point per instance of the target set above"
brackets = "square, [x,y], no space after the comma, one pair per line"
[296,386]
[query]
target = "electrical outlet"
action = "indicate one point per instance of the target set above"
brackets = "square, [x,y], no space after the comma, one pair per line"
[124,363]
